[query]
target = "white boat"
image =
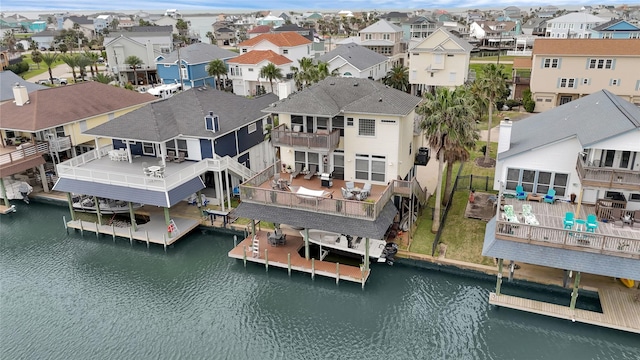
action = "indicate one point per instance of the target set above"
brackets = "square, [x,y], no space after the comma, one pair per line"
[379,250]
[107,206]
[18,190]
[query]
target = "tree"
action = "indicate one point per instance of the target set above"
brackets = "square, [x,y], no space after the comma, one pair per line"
[304,73]
[134,62]
[71,61]
[211,37]
[36,57]
[93,58]
[9,40]
[492,83]
[182,27]
[33,45]
[323,71]
[217,68]
[271,72]
[446,119]
[114,24]
[82,62]
[49,59]
[102,78]
[398,78]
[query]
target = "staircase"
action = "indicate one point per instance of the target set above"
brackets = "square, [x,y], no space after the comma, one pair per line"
[255,247]
[219,163]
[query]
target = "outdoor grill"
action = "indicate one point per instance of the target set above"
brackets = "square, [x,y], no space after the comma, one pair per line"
[325,180]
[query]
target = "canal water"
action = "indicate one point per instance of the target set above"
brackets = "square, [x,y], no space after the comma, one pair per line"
[73,297]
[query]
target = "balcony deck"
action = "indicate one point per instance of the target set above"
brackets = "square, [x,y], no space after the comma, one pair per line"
[317,141]
[607,177]
[607,239]
[14,160]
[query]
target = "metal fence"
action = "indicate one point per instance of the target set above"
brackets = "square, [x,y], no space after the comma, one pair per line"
[475,182]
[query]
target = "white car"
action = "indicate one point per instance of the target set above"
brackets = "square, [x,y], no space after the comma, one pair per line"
[56,81]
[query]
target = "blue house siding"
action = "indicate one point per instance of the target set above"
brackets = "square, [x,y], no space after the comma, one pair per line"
[206,150]
[136,149]
[244,159]
[226,145]
[169,74]
[196,75]
[248,140]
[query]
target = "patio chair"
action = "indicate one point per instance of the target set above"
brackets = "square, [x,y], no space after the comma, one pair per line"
[298,170]
[313,170]
[236,191]
[350,185]
[550,197]
[568,220]
[366,189]
[616,217]
[509,214]
[346,194]
[592,223]
[520,193]
[171,155]
[181,157]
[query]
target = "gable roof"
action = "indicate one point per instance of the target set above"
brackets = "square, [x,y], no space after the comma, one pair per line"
[580,118]
[183,115]
[61,105]
[613,22]
[381,26]
[255,57]
[197,53]
[334,95]
[607,47]
[358,56]
[463,44]
[148,29]
[80,20]
[8,80]
[260,29]
[282,39]
[577,17]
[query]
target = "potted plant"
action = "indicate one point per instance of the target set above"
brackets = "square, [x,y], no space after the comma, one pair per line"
[289,169]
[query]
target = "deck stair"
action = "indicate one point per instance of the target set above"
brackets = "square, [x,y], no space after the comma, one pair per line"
[255,247]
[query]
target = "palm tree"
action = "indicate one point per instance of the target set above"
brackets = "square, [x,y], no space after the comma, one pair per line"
[323,71]
[492,83]
[271,72]
[93,58]
[9,40]
[211,37]
[304,73]
[217,68]
[71,61]
[102,78]
[135,62]
[82,62]
[49,59]
[447,116]
[398,78]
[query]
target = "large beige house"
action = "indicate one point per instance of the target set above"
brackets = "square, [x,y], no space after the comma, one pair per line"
[566,69]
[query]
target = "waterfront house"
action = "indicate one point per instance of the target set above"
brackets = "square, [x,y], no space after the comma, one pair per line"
[616,29]
[8,80]
[50,122]
[192,70]
[576,25]
[353,60]
[565,69]
[442,59]
[385,38]
[588,151]
[85,25]
[244,72]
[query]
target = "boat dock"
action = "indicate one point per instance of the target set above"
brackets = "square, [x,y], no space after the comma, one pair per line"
[287,257]
[620,309]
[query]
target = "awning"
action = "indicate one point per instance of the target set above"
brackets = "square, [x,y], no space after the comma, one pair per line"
[374,229]
[124,193]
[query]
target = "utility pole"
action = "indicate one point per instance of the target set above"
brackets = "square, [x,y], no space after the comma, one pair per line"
[180,68]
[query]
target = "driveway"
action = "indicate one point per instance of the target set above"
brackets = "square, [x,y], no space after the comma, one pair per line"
[62,71]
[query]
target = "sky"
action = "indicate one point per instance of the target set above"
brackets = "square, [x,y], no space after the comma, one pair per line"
[11,6]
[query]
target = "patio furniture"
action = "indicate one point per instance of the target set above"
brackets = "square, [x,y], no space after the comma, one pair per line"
[534,197]
[171,155]
[636,219]
[520,193]
[236,191]
[350,185]
[509,214]
[592,223]
[550,197]
[568,220]
[529,216]
[312,172]
[580,224]
[181,157]
[346,194]
[297,171]
[616,217]
[366,189]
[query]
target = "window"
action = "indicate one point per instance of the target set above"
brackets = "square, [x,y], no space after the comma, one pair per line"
[370,167]
[614,82]
[452,77]
[285,51]
[634,197]
[567,83]
[9,134]
[297,123]
[367,36]
[349,121]
[244,51]
[184,72]
[585,81]
[551,63]
[601,63]
[535,181]
[182,146]
[388,121]
[148,149]
[386,36]
[250,69]
[60,131]
[251,128]
[83,125]
[367,127]
[338,123]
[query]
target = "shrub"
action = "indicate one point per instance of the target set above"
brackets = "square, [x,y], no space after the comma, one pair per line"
[513,103]
[19,68]
[529,106]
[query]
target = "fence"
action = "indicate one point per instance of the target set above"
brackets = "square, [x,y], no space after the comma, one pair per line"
[475,182]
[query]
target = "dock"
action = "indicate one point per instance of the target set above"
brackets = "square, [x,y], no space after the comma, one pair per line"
[7,209]
[287,257]
[620,309]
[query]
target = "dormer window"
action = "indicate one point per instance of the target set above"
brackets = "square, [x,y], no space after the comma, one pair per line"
[212,122]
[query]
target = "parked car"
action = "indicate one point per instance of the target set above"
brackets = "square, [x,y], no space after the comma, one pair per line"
[56,81]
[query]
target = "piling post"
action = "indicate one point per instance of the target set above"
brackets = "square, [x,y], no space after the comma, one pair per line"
[512,267]
[71,211]
[98,232]
[574,293]
[313,268]
[289,263]
[499,280]
[147,235]
[235,240]
[366,252]
[113,231]
[81,228]
[266,259]
[130,236]
[164,241]
[64,222]
[98,212]
[244,255]
[337,273]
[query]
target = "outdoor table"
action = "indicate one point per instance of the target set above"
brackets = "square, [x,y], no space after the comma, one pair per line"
[580,224]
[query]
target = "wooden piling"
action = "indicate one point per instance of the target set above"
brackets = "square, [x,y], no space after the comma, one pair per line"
[64,222]
[266,259]
[130,236]
[313,268]
[113,231]
[164,241]
[289,263]
[337,273]
[81,228]
[244,255]
[146,232]
[235,240]
[499,280]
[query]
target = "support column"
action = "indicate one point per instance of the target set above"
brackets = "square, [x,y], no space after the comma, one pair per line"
[199,198]
[167,221]
[43,178]
[163,153]
[226,177]
[579,202]
[253,226]
[565,278]
[95,201]
[499,280]
[306,243]
[97,142]
[221,190]
[4,193]
[366,254]
[574,294]
[217,185]
[134,226]
[70,200]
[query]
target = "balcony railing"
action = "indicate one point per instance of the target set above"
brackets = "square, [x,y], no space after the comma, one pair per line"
[521,80]
[60,143]
[25,153]
[607,177]
[281,136]
[569,239]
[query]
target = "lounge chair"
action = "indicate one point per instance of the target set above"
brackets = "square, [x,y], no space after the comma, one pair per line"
[592,223]
[520,193]
[550,197]
[181,157]
[350,185]
[313,170]
[297,171]
[346,194]
[509,214]
[529,216]
[616,218]
[568,220]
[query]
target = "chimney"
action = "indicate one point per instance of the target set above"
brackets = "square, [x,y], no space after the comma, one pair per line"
[504,140]
[20,95]
[284,90]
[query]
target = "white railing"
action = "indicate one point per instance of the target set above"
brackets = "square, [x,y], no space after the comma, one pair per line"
[519,52]
[60,144]
[26,152]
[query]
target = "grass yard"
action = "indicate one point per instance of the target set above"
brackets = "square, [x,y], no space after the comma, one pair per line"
[493,58]
[497,117]
[34,67]
[478,69]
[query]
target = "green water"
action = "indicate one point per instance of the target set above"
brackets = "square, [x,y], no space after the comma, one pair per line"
[73,297]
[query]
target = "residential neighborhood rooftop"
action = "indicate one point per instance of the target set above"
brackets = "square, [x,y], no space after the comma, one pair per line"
[604,47]
[359,56]
[8,80]
[283,39]
[255,57]
[197,53]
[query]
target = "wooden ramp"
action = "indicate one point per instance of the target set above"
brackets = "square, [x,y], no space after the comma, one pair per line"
[286,256]
[619,309]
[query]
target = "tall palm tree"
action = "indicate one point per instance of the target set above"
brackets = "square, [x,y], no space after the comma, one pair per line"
[304,73]
[93,57]
[217,68]
[271,72]
[71,61]
[49,59]
[445,125]
[323,71]
[492,83]
[82,62]
[135,62]
[398,78]
[211,37]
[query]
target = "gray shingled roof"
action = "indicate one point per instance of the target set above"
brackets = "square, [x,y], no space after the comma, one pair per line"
[381,26]
[8,80]
[587,262]
[590,119]
[183,114]
[313,220]
[358,56]
[332,95]
[198,53]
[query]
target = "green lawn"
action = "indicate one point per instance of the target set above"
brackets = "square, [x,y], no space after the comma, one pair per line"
[478,69]
[497,117]
[43,67]
[493,58]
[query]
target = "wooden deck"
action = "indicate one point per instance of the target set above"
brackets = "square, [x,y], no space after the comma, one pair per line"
[277,256]
[619,309]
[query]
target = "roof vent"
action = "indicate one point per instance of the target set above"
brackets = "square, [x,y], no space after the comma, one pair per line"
[355,84]
[380,100]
